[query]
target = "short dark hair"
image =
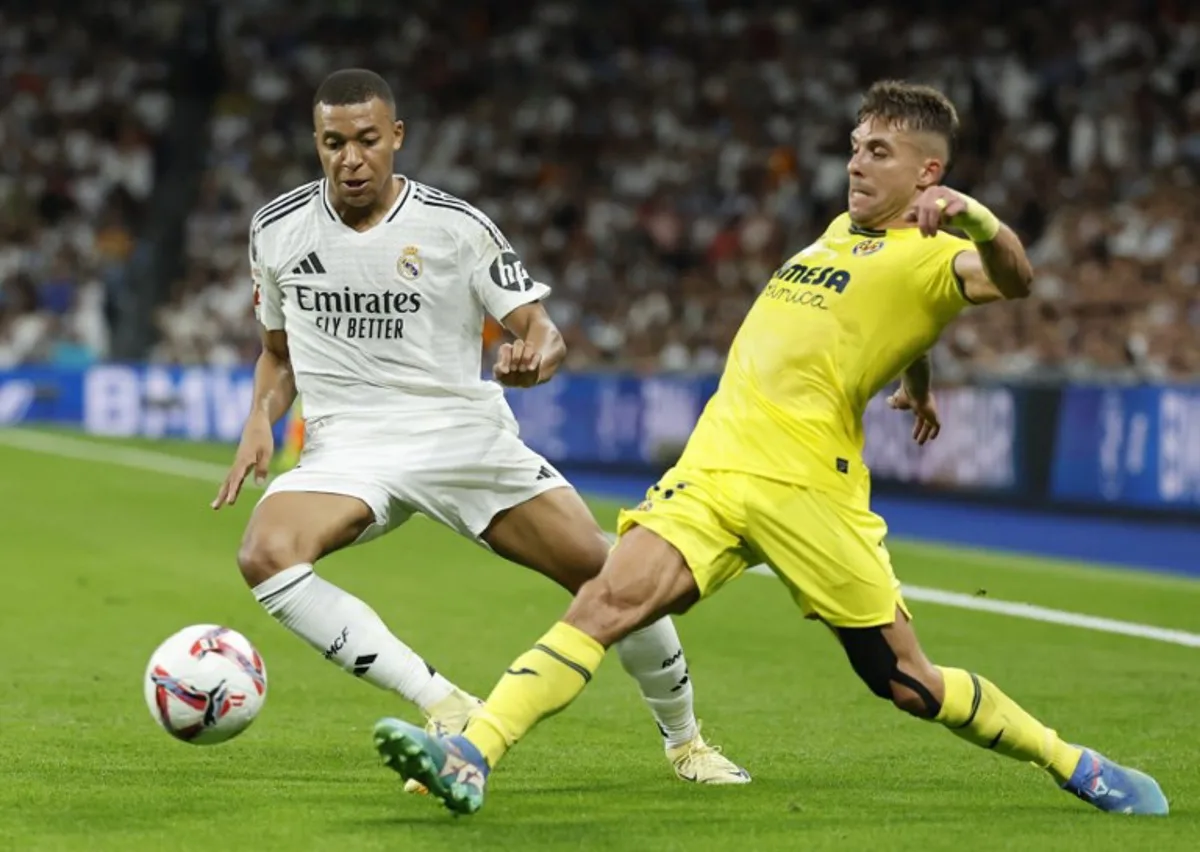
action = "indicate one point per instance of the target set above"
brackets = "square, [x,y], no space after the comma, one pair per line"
[353,86]
[922,109]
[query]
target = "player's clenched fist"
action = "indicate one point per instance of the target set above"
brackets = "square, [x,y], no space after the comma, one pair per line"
[254,452]
[935,207]
[518,365]
[938,206]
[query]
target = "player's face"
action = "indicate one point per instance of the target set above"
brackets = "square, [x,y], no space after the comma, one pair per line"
[356,143]
[888,168]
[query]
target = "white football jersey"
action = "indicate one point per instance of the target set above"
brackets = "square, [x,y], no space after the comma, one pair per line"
[388,320]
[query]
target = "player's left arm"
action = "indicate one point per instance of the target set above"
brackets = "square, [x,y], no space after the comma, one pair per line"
[509,293]
[915,394]
[534,357]
[999,267]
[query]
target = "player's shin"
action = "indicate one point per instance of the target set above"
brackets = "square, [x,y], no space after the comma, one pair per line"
[975,709]
[654,657]
[539,683]
[350,634]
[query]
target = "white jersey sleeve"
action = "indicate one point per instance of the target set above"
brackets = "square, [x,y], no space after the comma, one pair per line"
[268,297]
[496,274]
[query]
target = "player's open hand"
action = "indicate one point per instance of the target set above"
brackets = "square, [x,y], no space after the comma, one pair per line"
[927,426]
[254,452]
[935,207]
[518,365]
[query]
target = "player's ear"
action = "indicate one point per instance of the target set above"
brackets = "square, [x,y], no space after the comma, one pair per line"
[399,136]
[931,173]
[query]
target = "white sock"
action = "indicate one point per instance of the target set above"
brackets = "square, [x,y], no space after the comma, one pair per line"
[349,633]
[654,657]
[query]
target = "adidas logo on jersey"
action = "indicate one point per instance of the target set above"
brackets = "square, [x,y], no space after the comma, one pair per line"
[311,265]
[546,473]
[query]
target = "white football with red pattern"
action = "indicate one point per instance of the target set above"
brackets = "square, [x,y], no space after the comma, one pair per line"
[205,684]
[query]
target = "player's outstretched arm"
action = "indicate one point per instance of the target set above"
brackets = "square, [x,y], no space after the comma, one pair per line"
[274,393]
[534,357]
[999,269]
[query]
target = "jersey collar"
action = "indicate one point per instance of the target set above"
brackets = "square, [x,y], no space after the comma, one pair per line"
[880,233]
[860,231]
[397,205]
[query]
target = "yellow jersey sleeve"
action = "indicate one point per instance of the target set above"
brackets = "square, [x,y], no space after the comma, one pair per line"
[943,287]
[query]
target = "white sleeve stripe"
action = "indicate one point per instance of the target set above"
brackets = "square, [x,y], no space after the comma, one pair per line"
[281,201]
[466,209]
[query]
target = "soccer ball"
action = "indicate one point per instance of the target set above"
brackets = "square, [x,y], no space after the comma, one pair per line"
[205,684]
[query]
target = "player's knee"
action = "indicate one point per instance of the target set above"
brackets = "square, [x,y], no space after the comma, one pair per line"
[871,658]
[914,694]
[603,610]
[909,685]
[266,552]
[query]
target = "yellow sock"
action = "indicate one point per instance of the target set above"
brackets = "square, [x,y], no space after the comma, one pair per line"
[539,683]
[975,709]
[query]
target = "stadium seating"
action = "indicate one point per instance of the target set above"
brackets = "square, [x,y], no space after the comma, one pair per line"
[653,170]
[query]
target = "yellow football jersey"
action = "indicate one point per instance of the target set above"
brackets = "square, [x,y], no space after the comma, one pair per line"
[835,324]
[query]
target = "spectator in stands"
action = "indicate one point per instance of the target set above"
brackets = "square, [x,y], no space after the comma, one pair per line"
[655,161]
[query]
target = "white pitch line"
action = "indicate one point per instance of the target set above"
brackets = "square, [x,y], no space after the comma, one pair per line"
[1033,612]
[158,462]
[102,453]
[1053,616]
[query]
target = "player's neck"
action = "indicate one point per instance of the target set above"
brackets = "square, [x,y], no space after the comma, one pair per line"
[364,218]
[893,220]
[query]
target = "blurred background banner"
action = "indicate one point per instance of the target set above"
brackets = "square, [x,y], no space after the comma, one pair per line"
[193,403]
[1134,448]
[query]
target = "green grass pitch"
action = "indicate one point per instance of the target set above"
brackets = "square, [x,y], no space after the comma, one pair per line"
[101,562]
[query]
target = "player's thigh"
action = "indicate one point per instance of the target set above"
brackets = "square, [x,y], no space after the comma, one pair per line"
[310,512]
[554,533]
[830,554]
[473,478]
[700,515]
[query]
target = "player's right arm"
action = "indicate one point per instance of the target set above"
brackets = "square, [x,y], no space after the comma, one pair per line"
[274,384]
[999,268]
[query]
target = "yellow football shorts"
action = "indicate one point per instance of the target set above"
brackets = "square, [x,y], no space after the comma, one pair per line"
[829,553]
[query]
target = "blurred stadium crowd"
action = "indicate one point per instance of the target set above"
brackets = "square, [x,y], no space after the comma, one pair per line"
[651,161]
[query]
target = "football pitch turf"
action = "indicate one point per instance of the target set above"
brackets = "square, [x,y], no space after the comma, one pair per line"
[103,561]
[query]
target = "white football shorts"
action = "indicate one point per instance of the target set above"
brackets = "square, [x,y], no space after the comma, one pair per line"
[461,474]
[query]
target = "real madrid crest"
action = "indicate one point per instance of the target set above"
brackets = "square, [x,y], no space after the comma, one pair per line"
[867,247]
[409,264]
